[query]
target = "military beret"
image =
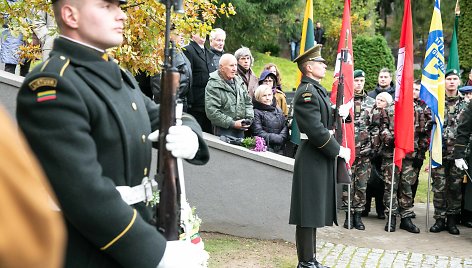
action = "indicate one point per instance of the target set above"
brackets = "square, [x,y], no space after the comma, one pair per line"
[465,89]
[452,72]
[312,54]
[359,73]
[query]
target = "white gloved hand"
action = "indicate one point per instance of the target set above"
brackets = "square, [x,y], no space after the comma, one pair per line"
[344,110]
[182,142]
[345,153]
[183,254]
[461,164]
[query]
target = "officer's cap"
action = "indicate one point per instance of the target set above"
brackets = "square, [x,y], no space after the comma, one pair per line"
[359,73]
[121,1]
[452,72]
[465,89]
[312,54]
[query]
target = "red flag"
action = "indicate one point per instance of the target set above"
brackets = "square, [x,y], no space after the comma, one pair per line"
[403,127]
[348,72]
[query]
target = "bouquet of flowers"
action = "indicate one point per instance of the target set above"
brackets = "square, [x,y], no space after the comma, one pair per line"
[256,144]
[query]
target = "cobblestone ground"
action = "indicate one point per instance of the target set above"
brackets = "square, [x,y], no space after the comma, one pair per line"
[338,256]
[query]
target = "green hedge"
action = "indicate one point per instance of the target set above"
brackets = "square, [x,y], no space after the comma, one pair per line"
[464,37]
[371,53]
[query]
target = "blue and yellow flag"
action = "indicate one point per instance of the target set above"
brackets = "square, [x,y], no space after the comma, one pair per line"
[433,84]
[307,42]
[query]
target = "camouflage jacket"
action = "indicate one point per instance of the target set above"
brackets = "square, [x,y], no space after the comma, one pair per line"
[422,129]
[452,111]
[363,105]
[382,135]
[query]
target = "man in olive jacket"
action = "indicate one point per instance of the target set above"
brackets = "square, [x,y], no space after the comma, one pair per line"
[227,102]
[87,121]
[313,201]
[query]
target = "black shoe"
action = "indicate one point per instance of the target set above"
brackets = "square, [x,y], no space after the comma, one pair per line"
[345,225]
[438,226]
[306,264]
[407,224]
[381,216]
[451,225]
[357,222]
[393,224]
[467,224]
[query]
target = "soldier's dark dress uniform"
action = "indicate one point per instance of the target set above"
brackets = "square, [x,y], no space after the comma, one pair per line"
[313,200]
[88,122]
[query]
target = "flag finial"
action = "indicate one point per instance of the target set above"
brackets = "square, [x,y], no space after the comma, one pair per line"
[458,10]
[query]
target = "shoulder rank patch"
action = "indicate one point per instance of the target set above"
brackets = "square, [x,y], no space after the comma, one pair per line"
[46,95]
[43,82]
[307,96]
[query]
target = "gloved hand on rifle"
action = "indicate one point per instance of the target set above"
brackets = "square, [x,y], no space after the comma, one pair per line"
[344,153]
[183,254]
[344,110]
[182,142]
[461,164]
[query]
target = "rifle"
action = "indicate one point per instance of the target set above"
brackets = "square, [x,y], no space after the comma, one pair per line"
[169,203]
[343,175]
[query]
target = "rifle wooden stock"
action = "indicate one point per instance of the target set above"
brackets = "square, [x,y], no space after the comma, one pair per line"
[169,203]
[342,173]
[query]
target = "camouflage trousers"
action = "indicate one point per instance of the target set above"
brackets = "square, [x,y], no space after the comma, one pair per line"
[446,186]
[360,175]
[402,201]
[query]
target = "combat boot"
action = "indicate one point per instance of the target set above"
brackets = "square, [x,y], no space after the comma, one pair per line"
[438,226]
[306,264]
[393,224]
[451,225]
[346,222]
[407,224]
[357,221]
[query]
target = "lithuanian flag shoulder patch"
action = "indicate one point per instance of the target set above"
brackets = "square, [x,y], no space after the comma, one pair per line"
[46,95]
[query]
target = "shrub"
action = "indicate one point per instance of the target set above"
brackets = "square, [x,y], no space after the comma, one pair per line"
[372,54]
[464,37]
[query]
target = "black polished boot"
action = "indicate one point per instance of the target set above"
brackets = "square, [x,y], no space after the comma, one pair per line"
[393,224]
[407,224]
[438,226]
[346,222]
[357,222]
[304,237]
[451,225]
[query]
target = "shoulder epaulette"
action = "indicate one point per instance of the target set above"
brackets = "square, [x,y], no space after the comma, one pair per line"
[57,65]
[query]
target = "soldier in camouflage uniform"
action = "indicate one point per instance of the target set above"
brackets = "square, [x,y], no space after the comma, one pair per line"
[361,167]
[402,202]
[447,178]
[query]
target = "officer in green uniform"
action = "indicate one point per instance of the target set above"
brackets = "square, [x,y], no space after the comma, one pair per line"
[88,122]
[313,201]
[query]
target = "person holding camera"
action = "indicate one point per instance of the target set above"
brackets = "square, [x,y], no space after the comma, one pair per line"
[227,102]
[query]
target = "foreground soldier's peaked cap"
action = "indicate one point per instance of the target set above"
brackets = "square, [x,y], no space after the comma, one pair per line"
[121,1]
[312,54]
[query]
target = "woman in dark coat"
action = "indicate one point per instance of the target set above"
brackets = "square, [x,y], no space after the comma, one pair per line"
[269,121]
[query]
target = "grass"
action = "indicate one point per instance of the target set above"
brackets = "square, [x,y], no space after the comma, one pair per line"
[288,71]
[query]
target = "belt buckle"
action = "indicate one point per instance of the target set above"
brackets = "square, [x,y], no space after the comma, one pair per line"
[151,194]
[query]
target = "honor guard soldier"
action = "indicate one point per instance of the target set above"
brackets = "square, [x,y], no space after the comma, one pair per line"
[361,167]
[313,201]
[87,121]
[447,178]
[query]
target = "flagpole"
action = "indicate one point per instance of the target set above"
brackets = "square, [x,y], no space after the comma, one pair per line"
[391,193]
[428,193]
[349,185]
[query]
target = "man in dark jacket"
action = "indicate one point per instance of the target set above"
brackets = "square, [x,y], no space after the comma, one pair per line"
[313,201]
[319,34]
[217,44]
[88,122]
[385,84]
[201,62]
